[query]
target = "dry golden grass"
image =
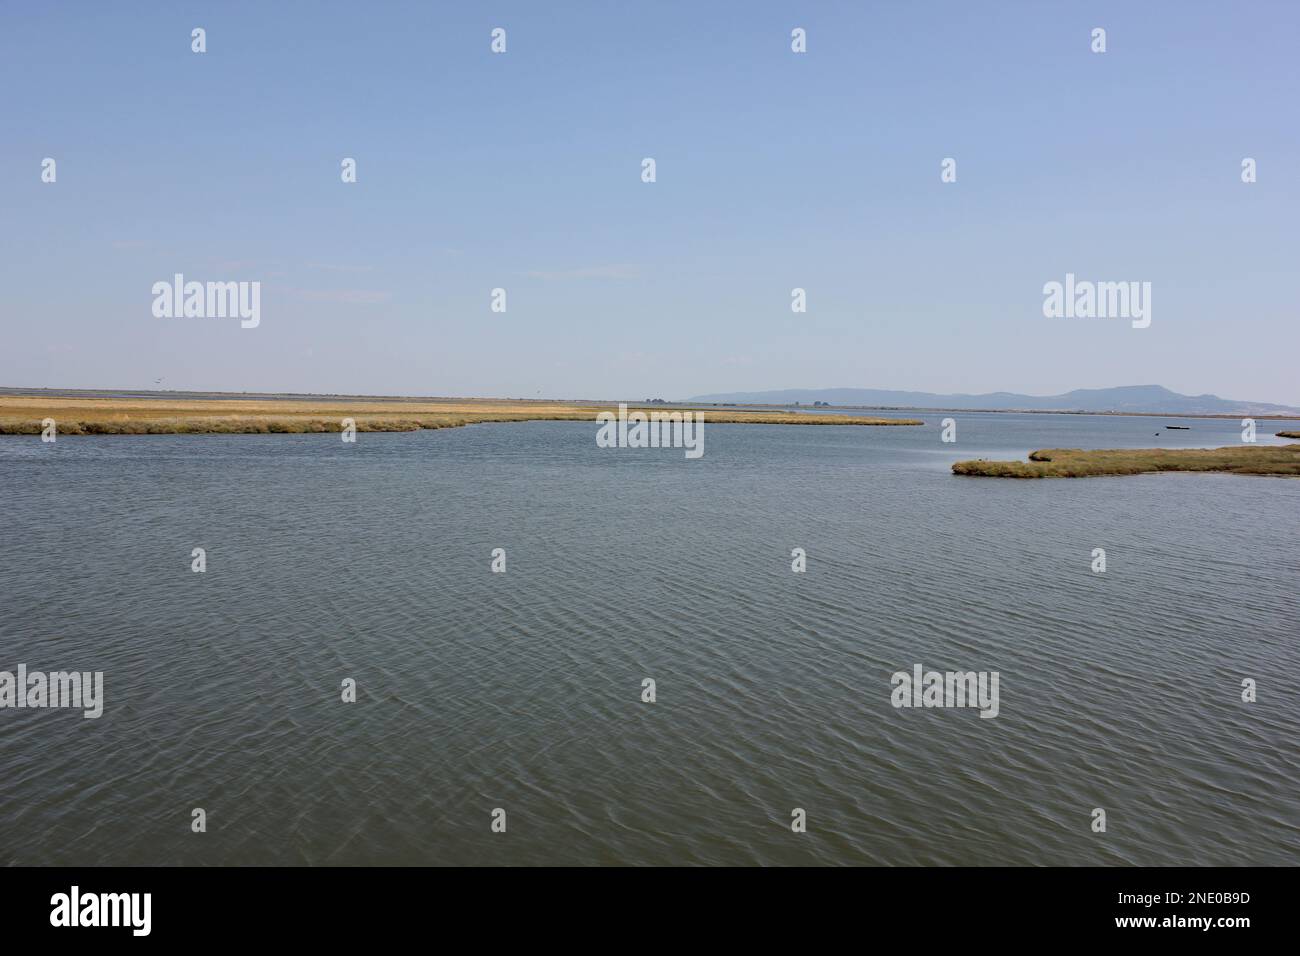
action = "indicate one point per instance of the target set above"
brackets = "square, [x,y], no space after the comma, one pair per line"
[22,415]
[1075,463]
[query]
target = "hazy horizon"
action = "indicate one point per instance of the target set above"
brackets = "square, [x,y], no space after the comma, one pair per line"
[694,397]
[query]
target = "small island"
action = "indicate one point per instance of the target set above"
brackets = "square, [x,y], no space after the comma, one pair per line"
[1288,434]
[1281,460]
[162,414]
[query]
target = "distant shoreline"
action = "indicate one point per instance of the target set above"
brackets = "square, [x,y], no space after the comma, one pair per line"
[204,396]
[1020,411]
[98,414]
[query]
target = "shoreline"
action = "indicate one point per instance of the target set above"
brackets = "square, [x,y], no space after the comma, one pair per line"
[24,415]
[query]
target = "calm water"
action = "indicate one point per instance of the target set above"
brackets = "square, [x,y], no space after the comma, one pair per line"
[522,690]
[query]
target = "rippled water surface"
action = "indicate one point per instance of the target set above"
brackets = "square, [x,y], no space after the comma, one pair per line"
[522,690]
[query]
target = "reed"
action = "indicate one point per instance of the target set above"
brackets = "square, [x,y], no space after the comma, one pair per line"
[22,415]
[1076,463]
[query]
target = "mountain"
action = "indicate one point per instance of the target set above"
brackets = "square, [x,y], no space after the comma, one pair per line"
[1154,399]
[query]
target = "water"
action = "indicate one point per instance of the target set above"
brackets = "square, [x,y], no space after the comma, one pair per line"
[522,690]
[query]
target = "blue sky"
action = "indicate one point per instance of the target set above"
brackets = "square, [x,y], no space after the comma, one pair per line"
[775,170]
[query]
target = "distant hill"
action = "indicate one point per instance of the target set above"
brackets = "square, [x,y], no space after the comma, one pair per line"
[1129,398]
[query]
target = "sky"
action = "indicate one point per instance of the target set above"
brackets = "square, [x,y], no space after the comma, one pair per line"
[775,170]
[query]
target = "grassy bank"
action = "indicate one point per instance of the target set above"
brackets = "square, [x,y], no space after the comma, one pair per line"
[1074,463]
[1288,434]
[22,415]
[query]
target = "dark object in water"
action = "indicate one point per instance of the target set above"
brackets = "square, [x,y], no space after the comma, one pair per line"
[1181,428]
